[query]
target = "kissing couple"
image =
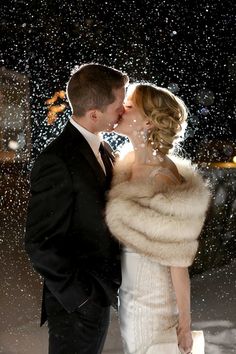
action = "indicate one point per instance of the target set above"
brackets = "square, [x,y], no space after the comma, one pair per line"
[102,228]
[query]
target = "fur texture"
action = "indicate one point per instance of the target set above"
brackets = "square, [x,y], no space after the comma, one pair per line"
[160,223]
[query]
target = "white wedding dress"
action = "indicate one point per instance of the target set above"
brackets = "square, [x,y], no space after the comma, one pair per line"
[148,312]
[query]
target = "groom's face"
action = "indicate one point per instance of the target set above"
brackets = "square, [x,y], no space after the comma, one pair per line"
[113,112]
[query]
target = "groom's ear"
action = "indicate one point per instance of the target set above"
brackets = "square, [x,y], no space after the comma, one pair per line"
[93,115]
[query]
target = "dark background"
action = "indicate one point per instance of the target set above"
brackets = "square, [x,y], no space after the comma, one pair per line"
[185,43]
[187,46]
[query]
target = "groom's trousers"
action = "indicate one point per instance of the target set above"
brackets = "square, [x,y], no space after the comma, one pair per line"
[80,332]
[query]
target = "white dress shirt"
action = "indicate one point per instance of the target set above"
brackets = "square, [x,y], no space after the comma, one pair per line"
[94,140]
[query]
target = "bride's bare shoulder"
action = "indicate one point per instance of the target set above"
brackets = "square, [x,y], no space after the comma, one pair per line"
[168,163]
[169,172]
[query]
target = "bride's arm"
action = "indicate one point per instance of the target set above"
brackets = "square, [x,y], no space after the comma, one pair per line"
[181,284]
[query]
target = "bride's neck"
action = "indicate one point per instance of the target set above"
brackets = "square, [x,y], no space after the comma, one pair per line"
[144,154]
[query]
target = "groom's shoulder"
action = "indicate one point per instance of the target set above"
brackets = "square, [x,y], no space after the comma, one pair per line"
[58,144]
[55,147]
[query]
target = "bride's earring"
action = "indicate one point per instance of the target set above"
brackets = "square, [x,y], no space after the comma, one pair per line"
[156,153]
[145,136]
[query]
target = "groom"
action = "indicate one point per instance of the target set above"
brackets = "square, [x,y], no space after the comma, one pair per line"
[67,239]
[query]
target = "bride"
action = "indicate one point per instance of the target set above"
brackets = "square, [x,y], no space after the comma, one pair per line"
[156,209]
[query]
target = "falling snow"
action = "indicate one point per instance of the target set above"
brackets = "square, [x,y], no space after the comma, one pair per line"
[182,45]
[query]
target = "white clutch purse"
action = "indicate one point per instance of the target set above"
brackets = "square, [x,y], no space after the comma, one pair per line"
[198,342]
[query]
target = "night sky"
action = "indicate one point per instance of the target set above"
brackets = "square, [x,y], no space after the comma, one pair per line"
[185,45]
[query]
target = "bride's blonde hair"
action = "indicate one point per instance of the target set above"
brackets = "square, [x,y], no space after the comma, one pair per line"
[166,112]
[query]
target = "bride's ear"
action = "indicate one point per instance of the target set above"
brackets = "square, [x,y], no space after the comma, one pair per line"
[149,124]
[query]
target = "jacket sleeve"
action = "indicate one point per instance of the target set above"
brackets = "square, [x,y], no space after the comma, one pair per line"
[47,239]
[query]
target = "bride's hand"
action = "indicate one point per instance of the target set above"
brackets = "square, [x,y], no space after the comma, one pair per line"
[185,340]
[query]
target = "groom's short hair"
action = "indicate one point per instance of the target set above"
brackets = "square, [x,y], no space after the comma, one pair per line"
[91,87]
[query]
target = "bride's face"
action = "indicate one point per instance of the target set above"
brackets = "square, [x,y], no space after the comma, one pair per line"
[132,121]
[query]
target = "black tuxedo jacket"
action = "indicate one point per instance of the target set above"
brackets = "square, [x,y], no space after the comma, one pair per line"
[67,239]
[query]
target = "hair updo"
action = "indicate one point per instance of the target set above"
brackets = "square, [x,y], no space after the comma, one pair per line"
[166,111]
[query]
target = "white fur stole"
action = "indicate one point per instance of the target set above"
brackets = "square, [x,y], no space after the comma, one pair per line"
[162,224]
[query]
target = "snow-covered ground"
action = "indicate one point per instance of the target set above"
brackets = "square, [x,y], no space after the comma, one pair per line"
[213,310]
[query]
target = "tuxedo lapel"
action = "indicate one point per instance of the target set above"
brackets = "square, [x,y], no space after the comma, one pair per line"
[79,145]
